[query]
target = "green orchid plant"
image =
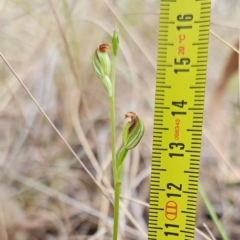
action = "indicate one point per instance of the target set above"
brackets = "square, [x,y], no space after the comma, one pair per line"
[132,131]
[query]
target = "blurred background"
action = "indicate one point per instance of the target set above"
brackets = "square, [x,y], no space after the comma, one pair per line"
[45,194]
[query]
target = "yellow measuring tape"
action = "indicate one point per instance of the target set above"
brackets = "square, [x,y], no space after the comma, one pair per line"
[178,116]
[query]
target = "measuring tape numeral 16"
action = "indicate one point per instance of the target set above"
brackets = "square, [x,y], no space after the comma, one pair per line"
[178,116]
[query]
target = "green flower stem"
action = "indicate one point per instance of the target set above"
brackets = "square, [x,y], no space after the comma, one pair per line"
[212,213]
[112,110]
[117,188]
[113,134]
[117,185]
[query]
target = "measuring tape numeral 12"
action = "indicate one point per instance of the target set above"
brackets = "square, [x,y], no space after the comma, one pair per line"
[178,116]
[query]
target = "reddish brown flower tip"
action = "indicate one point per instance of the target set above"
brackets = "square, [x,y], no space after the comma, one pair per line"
[104,47]
[130,115]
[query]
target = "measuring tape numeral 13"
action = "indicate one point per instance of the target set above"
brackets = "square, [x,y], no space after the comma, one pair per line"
[178,116]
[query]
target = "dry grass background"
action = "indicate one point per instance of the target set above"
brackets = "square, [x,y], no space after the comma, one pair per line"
[45,194]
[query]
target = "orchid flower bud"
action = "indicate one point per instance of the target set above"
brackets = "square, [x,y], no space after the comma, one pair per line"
[131,136]
[102,66]
[115,42]
[132,131]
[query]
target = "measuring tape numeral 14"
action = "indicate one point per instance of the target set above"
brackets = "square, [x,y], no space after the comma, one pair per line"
[178,116]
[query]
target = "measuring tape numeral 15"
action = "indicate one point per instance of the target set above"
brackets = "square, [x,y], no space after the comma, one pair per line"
[178,116]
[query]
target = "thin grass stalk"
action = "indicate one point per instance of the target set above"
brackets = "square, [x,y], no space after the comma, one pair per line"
[212,213]
[54,127]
